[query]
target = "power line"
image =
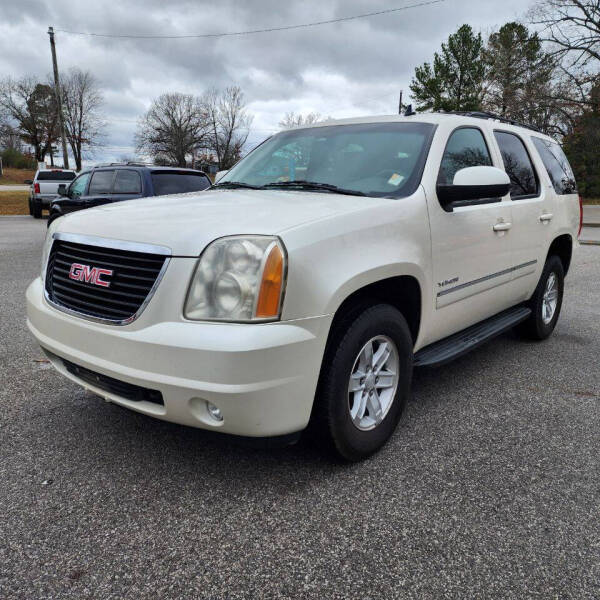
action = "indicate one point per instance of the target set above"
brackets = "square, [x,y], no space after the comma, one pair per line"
[254,31]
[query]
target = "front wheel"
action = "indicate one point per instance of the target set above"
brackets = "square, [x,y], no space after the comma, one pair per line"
[365,382]
[546,302]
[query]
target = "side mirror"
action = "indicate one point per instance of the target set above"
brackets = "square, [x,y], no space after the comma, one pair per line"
[220,175]
[28,182]
[62,189]
[473,184]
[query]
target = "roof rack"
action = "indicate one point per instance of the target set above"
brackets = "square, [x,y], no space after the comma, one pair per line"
[129,163]
[479,114]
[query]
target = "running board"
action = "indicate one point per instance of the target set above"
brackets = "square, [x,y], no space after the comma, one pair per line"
[439,353]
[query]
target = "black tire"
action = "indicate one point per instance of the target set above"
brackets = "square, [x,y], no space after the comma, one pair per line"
[534,327]
[331,422]
[30,207]
[36,207]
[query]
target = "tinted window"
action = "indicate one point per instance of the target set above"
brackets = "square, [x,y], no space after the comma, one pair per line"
[517,164]
[77,188]
[173,182]
[557,165]
[376,159]
[101,182]
[465,148]
[127,182]
[55,176]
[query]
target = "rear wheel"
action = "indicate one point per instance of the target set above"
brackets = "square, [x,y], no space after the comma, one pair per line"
[36,209]
[546,302]
[364,383]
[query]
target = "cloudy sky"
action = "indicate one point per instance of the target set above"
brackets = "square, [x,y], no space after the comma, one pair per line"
[340,70]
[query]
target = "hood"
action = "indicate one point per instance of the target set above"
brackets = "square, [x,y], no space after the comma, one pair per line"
[187,223]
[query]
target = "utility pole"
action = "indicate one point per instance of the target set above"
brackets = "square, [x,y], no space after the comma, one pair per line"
[400,104]
[61,120]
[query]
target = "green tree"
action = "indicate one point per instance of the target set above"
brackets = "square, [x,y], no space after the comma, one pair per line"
[520,78]
[32,107]
[456,79]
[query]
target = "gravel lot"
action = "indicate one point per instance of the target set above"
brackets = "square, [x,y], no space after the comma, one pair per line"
[490,487]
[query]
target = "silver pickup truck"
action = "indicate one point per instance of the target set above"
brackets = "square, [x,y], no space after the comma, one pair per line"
[44,188]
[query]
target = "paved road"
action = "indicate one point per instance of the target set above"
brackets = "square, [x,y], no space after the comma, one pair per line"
[490,487]
[14,188]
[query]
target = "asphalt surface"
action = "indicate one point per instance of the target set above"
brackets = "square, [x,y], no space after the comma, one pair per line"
[490,488]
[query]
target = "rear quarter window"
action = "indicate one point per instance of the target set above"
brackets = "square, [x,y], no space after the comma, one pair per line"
[178,182]
[558,167]
[55,176]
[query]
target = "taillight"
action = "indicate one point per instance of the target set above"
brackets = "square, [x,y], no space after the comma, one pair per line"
[580,216]
[36,188]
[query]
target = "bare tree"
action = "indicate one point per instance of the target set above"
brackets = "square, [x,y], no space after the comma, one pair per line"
[228,124]
[82,108]
[291,119]
[31,107]
[173,129]
[573,26]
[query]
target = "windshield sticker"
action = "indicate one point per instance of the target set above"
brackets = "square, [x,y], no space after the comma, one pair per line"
[396,179]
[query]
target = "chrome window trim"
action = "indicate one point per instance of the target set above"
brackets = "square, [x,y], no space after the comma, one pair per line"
[91,240]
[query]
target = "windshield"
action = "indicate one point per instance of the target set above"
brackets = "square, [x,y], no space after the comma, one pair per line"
[374,159]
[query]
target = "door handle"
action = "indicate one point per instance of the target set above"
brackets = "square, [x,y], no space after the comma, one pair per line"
[546,217]
[502,226]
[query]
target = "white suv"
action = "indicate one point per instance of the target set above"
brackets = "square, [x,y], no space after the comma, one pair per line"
[306,285]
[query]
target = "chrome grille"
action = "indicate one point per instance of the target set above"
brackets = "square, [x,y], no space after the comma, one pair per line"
[120,295]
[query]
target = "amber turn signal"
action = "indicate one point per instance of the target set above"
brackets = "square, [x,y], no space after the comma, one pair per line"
[269,296]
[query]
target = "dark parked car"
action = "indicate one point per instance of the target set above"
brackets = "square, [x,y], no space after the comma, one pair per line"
[115,182]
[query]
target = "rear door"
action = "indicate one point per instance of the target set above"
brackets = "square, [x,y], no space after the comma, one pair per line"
[532,212]
[471,246]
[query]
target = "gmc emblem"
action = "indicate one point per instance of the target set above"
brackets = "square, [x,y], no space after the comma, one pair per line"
[89,274]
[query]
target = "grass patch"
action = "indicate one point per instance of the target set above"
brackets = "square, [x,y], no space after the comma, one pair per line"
[591,200]
[14,203]
[12,176]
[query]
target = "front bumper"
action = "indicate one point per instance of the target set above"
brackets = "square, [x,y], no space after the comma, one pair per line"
[263,377]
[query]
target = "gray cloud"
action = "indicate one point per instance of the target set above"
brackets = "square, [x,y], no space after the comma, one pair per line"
[343,69]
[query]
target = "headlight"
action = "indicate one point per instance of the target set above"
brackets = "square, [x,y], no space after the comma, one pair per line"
[238,278]
[46,252]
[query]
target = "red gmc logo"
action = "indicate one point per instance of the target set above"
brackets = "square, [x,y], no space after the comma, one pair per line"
[89,274]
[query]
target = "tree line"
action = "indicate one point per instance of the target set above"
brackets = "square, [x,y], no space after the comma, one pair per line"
[181,129]
[548,77]
[29,115]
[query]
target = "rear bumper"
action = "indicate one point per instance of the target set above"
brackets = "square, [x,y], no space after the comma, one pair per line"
[262,377]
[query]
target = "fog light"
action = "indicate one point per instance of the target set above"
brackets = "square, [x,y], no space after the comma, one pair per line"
[214,412]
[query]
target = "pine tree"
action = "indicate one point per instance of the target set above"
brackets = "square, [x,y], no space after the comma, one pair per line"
[455,81]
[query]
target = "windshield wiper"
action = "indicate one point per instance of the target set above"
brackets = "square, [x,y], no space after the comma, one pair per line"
[236,184]
[312,185]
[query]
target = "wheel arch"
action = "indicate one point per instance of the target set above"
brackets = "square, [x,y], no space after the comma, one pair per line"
[562,246]
[403,292]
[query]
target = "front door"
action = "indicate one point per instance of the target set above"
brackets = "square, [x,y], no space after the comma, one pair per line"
[471,245]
